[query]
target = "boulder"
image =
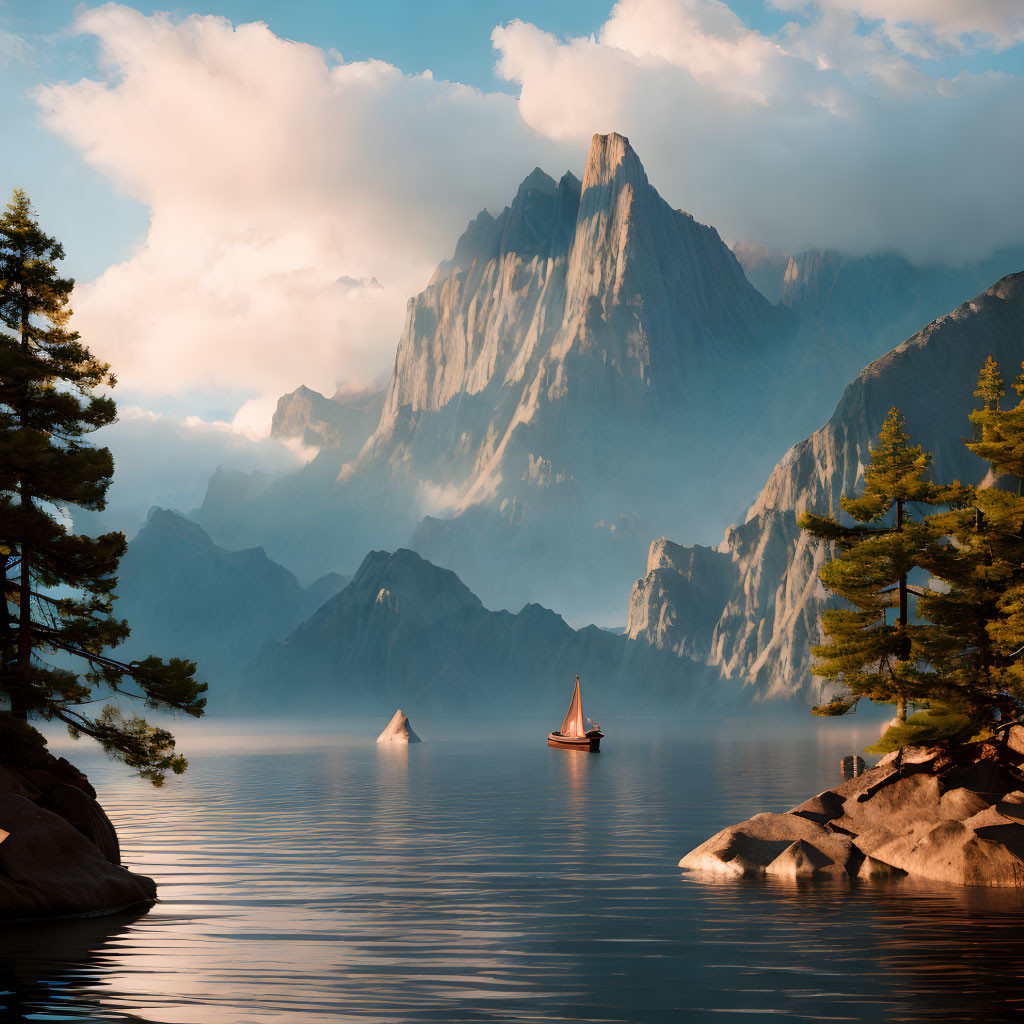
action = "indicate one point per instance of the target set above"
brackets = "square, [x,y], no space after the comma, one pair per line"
[1015,741]
[50,869]
[66,792]
[821,808]
[952,816]
[398,730]
[782,844]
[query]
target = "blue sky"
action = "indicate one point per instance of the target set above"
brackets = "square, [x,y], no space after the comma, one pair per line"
[100,223]
[792,123]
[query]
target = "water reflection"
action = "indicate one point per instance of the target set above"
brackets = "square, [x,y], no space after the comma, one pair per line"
[70,957]
[464,881]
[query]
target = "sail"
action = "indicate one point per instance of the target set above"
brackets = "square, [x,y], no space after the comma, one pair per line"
[573,724]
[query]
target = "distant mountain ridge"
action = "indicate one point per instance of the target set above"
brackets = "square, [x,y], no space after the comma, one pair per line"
[186,597]
[762,633]
[407,633]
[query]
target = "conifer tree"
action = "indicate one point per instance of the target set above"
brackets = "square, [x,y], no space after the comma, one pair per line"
[873,657]
[999,433]
[990,384]
[976,561]
[58,586]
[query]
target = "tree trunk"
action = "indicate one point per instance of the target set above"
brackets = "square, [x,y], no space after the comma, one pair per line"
[905,651]
[901,710]
[19,689]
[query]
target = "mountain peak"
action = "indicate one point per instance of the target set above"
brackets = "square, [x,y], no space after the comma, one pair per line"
[611,156]
[537,179]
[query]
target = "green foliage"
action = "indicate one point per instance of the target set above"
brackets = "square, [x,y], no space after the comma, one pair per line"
[871,656]
[58,586]
[1018,384]
[963,656]
[925,729]
[990,384]
[999,434]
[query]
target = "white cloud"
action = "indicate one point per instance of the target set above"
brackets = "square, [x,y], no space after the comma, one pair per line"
[915,25]
[295,202]
[821,135]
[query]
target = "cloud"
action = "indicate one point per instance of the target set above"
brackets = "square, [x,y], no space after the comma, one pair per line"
[820,135]
[168,461]
[915,26]
[296,201]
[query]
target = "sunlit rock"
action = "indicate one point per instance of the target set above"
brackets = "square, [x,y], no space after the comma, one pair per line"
[941,816]
[398,730]
[782,844]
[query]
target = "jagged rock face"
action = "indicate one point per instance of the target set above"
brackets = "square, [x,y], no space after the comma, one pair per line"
[580,298]
[343,422]
[769,622]
[587,361]
[676,605]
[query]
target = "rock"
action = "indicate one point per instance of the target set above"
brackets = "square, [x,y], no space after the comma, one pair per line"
[49,869]
[802,860]
[1015,740]
[754,847]
[951,816]
[952,852]
[821,808]
[86,815]
[63,790]
[398,730]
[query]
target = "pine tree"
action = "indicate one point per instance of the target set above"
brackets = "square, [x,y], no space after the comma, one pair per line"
[1018,384]
[872,657]
[990,384]
[58,586]
[977,560]
[999,433]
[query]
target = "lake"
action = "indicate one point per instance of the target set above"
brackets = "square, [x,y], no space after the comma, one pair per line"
[308,875]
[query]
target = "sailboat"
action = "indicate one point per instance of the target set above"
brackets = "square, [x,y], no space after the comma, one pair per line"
[573,735]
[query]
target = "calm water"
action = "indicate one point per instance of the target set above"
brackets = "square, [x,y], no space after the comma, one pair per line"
[312,877]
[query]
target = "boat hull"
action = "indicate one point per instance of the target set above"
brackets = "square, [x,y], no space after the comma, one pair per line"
[592,741]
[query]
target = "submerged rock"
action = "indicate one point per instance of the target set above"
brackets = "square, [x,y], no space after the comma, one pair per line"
[398,730]
[928,815]
[59,853]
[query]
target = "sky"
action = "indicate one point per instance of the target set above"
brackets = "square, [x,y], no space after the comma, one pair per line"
[249,191]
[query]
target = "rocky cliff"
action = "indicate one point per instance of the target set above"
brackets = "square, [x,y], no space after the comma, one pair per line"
[343,422]
[591,368]
[763,631]
[558,392]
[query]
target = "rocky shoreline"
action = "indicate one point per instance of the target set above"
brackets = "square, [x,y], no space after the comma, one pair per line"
[932,814]
[59,854]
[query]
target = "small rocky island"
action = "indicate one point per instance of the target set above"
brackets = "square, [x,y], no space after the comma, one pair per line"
[398,730]
[59,854]
[935,814]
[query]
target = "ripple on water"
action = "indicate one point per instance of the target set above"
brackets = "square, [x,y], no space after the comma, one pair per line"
[457,882]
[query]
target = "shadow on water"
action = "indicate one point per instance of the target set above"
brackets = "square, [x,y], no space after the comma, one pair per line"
[70,957]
